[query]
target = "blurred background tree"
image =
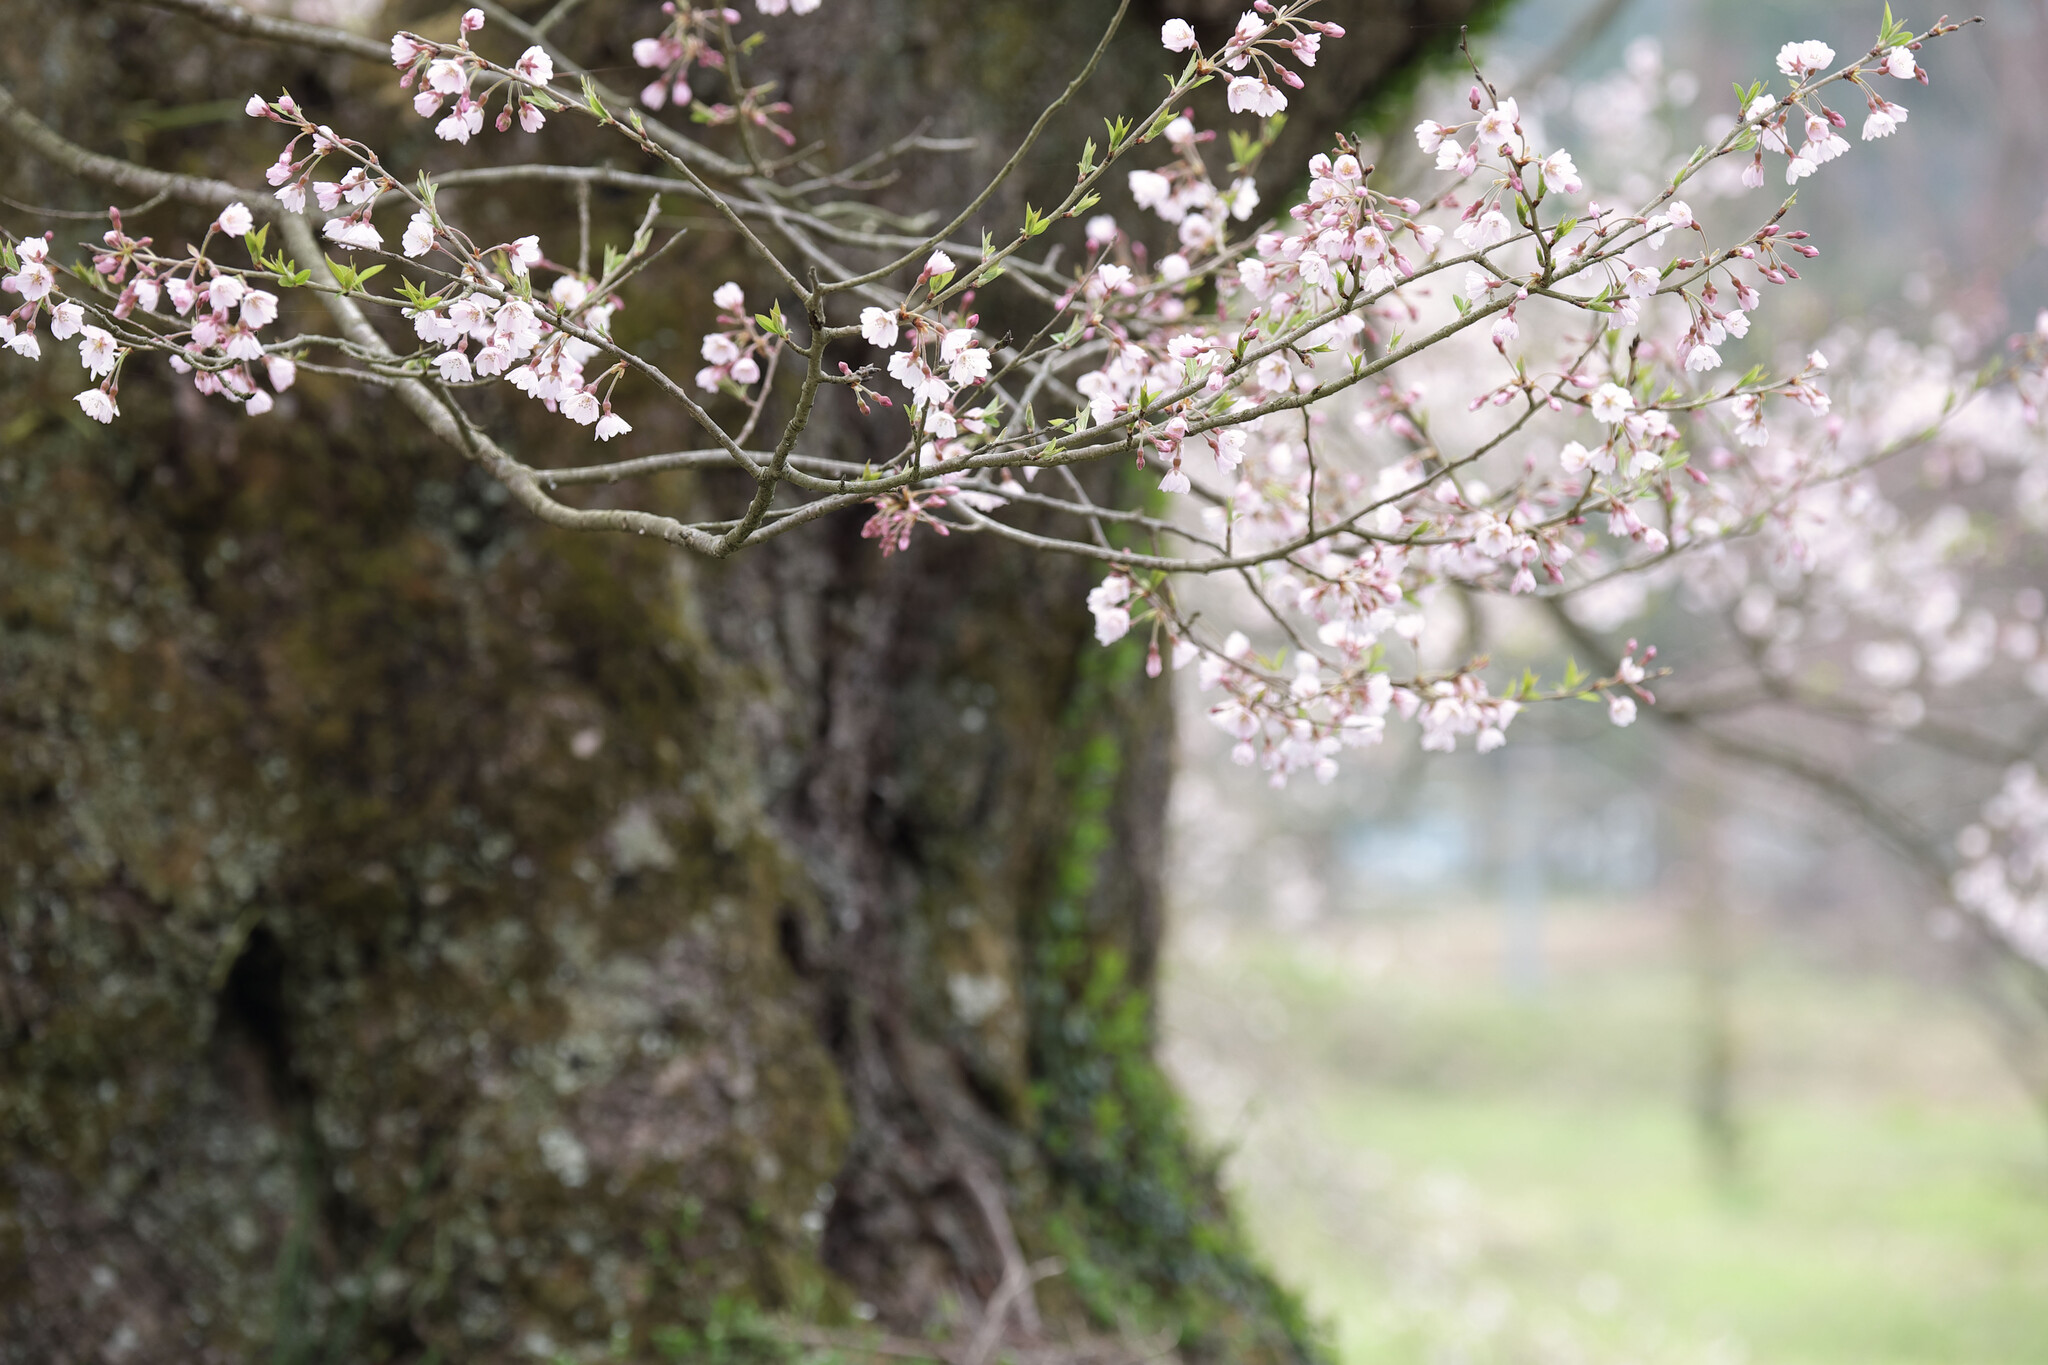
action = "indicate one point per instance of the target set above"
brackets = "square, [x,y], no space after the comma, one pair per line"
[1625,1046]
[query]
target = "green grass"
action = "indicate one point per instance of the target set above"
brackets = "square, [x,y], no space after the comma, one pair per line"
[1452,1173]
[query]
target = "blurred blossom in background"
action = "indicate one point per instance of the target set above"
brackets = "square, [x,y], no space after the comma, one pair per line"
[1601,1047]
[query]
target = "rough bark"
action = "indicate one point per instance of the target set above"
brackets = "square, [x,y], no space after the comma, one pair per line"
[431,935]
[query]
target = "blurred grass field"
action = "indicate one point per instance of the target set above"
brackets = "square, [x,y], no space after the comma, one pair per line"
[1452,1170]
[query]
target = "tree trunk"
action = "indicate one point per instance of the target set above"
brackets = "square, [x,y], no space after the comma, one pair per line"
[429,935]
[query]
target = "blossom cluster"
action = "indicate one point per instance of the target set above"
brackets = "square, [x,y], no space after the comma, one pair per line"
[1585,335]
[450,72]
[942,361]
[2004,877]
[696,37]
[209,315]
[1265,38]
[1360,255]
[734,353]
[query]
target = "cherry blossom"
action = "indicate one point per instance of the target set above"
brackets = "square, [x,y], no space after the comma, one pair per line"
[98,404]
[1883,120]
[96,351]
[536,66]
[1256,95]
[1385,397]
[418,238]
[1804,59]
[1112,617]
[878,327]
[1610,403]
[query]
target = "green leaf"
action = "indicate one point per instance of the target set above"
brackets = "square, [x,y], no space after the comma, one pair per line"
[595,104]
[348,278]
[1573,676]
[255,240]
[1119,129]
[1087,160]
[1034,221]
[1084,203]
[1462,306]
[416,296]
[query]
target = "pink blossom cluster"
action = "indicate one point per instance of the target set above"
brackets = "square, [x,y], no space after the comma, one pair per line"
[941,360]
[1900,584]
[735,353]
[1173,384]
[1583,341]
[695,36]
[219,346]
[450,72]
[1264,38]
[2004,874]
[1775,119]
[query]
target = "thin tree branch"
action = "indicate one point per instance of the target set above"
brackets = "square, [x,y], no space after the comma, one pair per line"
[232,18]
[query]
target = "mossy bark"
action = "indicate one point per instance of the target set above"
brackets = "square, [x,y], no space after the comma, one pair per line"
[428,935]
